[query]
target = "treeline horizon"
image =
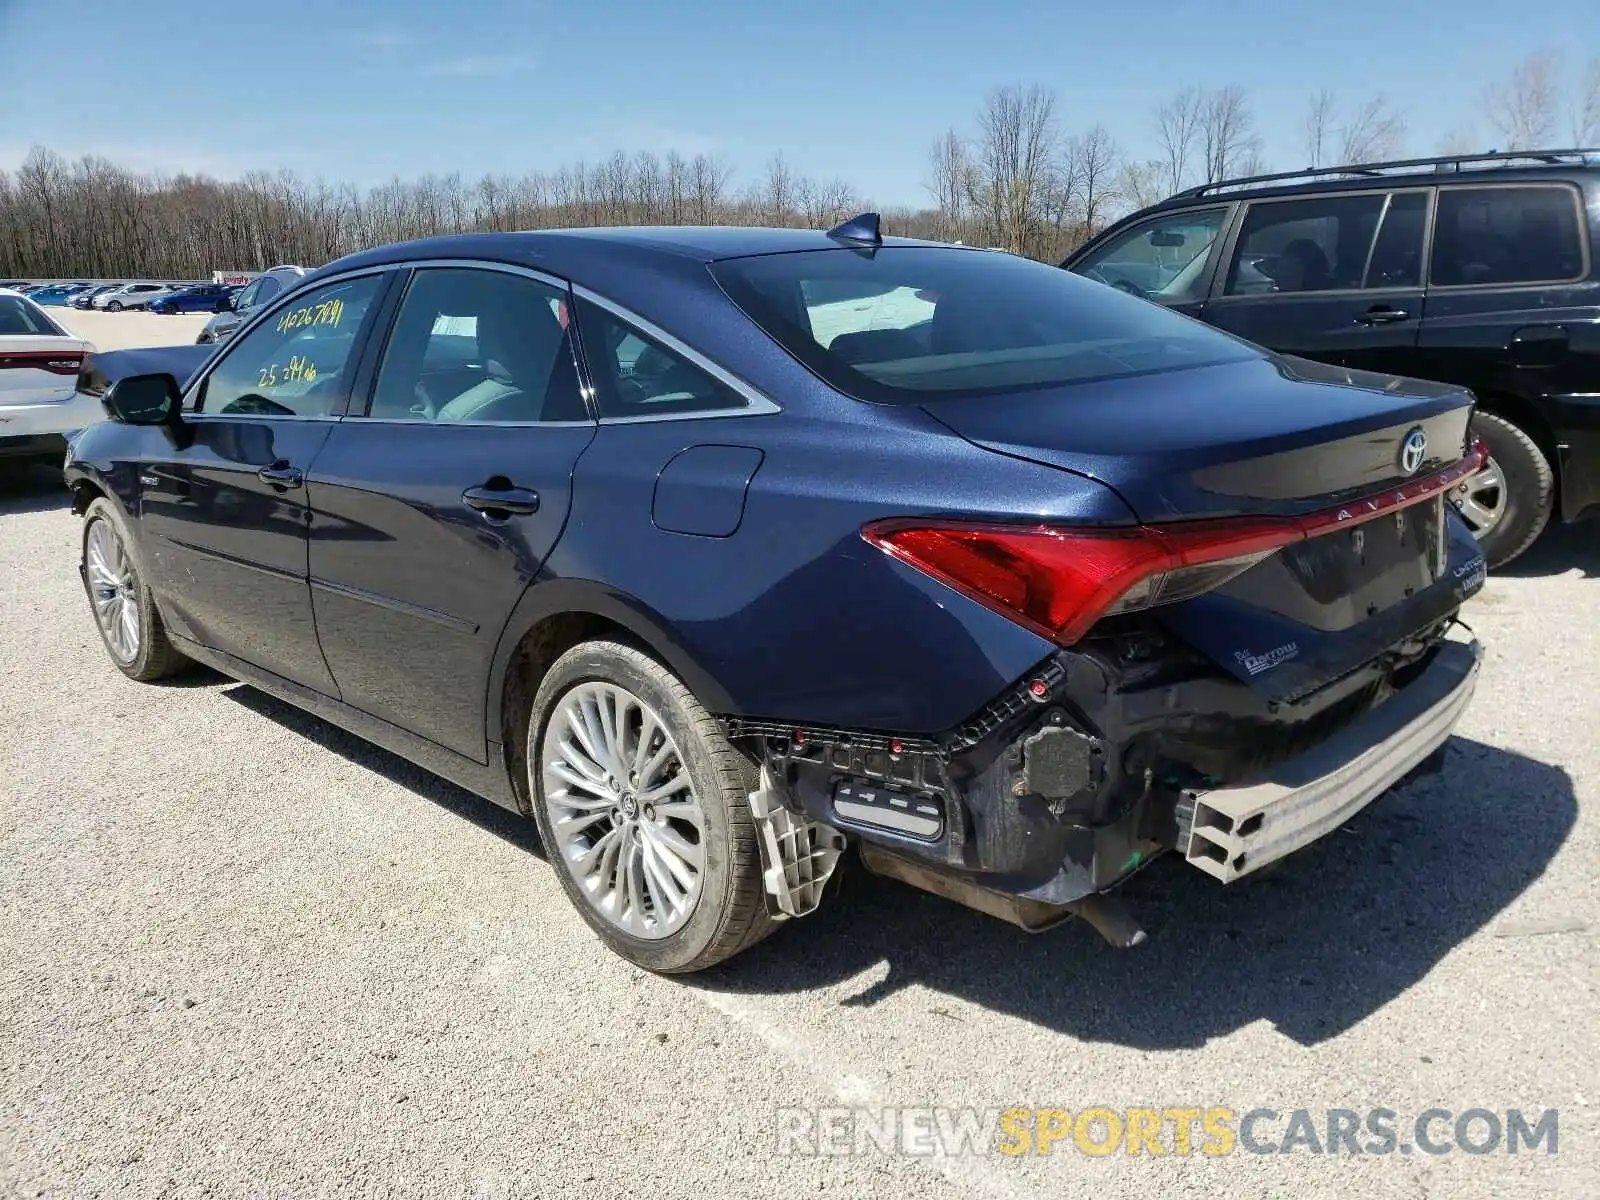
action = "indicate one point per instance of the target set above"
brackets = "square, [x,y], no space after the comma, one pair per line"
[1018,178]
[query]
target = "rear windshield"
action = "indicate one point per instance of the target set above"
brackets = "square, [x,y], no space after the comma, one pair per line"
[907,324]
[18,316]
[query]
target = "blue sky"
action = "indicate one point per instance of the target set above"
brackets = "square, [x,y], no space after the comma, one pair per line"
[362,90]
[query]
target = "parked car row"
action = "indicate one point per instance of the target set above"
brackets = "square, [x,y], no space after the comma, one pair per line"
[135,294]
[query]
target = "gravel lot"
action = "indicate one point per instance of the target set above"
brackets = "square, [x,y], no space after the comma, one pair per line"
[243,953]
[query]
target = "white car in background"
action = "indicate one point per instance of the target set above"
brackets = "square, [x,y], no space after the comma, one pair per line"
[39,399]
[130,295]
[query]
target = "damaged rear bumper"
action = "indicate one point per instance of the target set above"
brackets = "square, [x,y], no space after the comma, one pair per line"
[1106,757]
[1229,832]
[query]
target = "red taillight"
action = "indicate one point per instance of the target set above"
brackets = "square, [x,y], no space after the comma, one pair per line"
[1060,581]
[54,361]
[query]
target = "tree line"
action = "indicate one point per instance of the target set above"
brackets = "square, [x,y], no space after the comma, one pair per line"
[1018,177]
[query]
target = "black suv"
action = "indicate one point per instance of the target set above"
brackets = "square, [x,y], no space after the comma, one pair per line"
[1476,270]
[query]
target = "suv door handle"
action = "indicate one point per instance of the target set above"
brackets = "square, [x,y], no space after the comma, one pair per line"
[1382,316]
[501,500]
[281,474]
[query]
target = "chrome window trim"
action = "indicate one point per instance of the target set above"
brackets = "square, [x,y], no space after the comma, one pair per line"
[1580,213]
[757,403]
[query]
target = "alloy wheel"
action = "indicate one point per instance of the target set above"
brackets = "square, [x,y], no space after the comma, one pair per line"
[114,590]
[1481,499]
[627,822]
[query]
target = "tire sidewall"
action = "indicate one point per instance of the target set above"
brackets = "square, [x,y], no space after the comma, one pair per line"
[1529,494]
[624,666]
[102,510]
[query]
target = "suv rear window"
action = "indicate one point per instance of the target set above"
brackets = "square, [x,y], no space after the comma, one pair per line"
[1506,235]
[908,323]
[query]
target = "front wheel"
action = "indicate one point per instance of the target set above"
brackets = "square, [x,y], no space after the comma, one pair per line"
[643,809]
[125,611]
[1508,503]
[114,306]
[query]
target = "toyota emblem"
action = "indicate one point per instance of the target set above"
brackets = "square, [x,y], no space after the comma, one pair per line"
[1413,450]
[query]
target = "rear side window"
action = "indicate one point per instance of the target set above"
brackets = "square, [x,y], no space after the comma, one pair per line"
[19,317]
[908,323]
[1319,244]
[1499,235]
[638,376]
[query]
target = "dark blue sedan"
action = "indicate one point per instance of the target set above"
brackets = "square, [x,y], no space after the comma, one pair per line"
[202,297]
[717,551]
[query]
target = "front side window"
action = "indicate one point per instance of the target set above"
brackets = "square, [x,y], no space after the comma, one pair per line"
[635,375]
[1506,235]
[965,322]
[479,345]
[248,297]
[296,362]
[1318,244]
[1167,259]
[270,287]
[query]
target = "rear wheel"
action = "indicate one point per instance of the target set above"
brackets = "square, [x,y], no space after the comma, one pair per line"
[1508,504]
[124,610]
[643,808]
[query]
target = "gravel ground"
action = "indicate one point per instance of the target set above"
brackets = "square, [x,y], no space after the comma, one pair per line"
[243,953]
[125,330]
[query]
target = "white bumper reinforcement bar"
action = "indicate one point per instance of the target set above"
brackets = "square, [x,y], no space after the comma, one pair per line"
[1232,831]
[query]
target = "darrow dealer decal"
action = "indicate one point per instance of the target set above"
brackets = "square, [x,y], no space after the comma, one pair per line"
[1257,663]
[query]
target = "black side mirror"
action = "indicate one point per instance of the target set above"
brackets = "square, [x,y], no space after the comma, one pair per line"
[144,400]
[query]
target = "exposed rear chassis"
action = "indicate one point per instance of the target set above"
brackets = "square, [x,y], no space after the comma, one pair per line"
[1042,808]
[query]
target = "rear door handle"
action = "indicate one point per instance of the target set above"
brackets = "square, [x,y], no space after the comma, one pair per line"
[281,475]
[496,500]
[1383,316]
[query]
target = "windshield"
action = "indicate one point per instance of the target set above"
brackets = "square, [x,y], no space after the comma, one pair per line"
[906,324]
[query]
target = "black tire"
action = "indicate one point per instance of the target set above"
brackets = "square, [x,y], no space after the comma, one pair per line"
[156,657]
[1530,489]
[730,914]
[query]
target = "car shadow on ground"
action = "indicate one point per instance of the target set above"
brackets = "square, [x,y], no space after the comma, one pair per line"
[30,488]
[1314,946]
[1559,550]
[517,830]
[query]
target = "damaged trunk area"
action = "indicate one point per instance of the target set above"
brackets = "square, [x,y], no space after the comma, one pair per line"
[1233,728]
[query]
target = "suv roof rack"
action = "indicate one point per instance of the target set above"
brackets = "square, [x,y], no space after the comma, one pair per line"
[1440,165]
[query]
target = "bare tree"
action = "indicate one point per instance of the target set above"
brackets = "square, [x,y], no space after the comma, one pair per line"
[1097,155]
[949,182]
[825,204]
[1018,140]
[778,191]
[1460,140]
[1373,132]
[1177,127]
[1318,128]
[1140,183]
[1523,108]
[1227,133]
[1586,106]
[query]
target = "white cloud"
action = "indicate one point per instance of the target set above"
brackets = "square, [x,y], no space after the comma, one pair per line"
[480,66]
